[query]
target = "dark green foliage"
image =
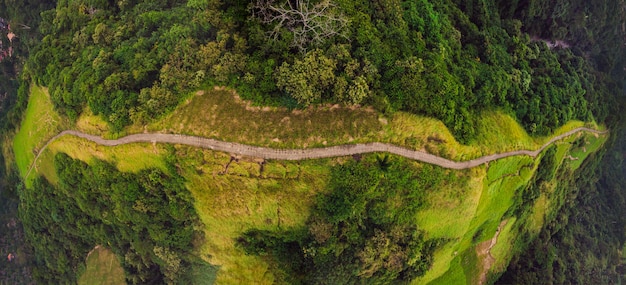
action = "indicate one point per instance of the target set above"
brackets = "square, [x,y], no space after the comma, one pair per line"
[525,198]
[133,61]
[24,19]
[128,61]
[585,232]
[362,231]
[592,27]
[18,271]
[383,162]
[146,218]
[582,243]
[23,16]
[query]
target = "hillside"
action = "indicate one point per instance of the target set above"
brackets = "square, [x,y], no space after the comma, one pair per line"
[132,61]
[237,196]
[314,142]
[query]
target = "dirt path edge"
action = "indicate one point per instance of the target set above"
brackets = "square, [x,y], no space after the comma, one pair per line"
[302,154]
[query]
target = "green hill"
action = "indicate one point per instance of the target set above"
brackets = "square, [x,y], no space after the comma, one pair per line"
[454,213]
[451,80]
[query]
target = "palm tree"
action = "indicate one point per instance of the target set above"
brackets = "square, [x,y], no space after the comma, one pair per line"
[383,162]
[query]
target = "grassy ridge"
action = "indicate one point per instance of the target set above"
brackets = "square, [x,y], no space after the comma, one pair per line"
[280,195]
[127,158]
[219,113]
[501,251]
[246,198]
[230,203]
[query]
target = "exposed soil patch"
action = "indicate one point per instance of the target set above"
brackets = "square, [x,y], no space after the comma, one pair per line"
[483,251]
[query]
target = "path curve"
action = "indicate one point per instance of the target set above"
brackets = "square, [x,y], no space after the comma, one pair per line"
[302,154]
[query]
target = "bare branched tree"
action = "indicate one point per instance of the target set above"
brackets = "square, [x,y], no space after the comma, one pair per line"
[310,24]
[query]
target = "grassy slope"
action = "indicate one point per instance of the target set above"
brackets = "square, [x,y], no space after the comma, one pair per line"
[40,123]
[245,197]
[103,268]
[130,158]
[218,113]
[499,185]
[491,196]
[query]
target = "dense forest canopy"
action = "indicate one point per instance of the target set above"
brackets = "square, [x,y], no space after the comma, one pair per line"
[134,60]
[582,244]
[23,17]
[147,218]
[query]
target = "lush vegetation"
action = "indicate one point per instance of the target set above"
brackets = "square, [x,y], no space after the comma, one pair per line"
[222,115]
[590,27]
[362,230]
[39,124]
[247,196]
[582,242]
[526,197]
[24,18]
[132,61]
[368,220]
[147,218]
[12,239]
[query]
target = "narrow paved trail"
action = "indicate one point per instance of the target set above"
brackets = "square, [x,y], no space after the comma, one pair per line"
[301,154]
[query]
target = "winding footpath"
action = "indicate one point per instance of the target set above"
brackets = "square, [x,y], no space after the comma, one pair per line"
[302,154]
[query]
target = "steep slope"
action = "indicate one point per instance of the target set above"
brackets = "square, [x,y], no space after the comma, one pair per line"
[435,140]
[234,195]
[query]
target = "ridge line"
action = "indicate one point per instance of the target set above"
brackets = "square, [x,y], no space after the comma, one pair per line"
[302,154]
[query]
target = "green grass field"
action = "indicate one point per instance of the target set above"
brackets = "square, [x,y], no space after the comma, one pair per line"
[244,198]
[103,268]
[467,210]
[218,114]
[591,144]
[454,275]
[474,217]
[227,204]
[127,158]
[40,123]
[449,215]
[496,199]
